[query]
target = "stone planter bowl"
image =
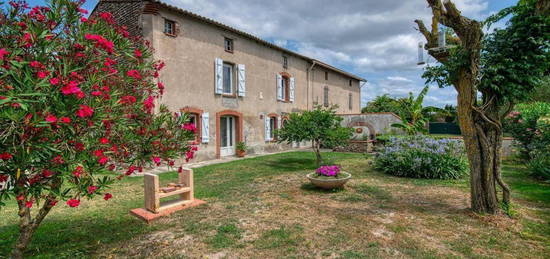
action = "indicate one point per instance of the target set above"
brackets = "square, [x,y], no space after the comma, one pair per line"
[327,183]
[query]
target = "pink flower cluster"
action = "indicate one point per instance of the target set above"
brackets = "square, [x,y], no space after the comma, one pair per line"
[101,42]
[328,170]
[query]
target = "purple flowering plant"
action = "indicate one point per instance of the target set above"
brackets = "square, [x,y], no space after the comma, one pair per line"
[328,171]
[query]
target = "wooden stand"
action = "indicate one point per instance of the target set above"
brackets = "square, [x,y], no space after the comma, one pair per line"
[153,192]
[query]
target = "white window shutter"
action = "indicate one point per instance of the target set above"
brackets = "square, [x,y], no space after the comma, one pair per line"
[279,125]
[279,87]
[204,128]
[242,79]
[267,129]
[219,76]
[292,86]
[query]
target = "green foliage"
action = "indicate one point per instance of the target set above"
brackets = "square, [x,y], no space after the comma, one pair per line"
[513,59]
[241,146]
[541,93]
[423,157]
[527,127]
[539,166]
[321,126]
[413,114]
[383,103]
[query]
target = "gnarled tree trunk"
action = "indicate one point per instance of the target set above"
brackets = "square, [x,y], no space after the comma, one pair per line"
[480,124]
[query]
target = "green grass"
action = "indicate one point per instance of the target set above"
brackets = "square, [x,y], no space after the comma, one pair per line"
[264,207]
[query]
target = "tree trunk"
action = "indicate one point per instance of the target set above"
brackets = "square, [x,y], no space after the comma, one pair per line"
[482,135]
[316,145]
[27,225]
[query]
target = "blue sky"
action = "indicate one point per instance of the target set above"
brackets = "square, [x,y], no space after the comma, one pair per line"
[371,38]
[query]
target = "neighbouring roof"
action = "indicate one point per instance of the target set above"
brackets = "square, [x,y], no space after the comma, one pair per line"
[255,38]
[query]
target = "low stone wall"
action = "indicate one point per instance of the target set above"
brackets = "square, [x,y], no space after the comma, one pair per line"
[356,147]
[372,123]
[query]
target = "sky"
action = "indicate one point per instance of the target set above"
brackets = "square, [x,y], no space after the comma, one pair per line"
[375,39]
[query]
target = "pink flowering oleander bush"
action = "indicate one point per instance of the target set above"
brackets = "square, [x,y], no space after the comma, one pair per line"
[77,101]
[328,171]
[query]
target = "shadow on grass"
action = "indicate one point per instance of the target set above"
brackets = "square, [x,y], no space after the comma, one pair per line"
[308,187]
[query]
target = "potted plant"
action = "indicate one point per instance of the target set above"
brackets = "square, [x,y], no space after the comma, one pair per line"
[329,177]
[241,149]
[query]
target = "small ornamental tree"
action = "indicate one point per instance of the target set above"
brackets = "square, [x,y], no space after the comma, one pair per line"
[321,126]
[77,98]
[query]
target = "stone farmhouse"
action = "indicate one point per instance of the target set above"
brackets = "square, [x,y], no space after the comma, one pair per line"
[236,86]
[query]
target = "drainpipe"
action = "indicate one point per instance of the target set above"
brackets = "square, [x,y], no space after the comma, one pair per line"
[309,79]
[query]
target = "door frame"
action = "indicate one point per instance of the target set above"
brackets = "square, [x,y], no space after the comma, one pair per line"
[229,127]
[238,128]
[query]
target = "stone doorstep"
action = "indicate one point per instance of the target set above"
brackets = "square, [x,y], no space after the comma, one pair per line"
[148,217]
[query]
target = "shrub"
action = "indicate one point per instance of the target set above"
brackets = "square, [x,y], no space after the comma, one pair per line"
[423,157]
[77,101]
[539,166]
[528,127]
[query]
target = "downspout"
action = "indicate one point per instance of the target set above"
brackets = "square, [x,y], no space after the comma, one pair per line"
[309,79]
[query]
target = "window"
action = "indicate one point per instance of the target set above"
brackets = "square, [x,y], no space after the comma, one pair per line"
[194,115]
[227,78]
[273,127]
[169,27]
[350,82]
[325,97]
[350,101]
[285,61]
[285,82]
[228,45]
[326,75]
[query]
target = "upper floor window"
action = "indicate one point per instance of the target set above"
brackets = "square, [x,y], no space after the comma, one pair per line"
[228,45]
[326,75]
[227,78]
[350,82]
[350,101]
[285,61]
[325,96]
[169,27]
[286,88]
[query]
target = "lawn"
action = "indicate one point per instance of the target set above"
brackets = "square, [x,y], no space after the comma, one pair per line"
[263,207]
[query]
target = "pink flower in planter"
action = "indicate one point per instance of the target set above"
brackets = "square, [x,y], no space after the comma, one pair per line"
[104,141]
[107,196]
[137,53]
[28,204]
